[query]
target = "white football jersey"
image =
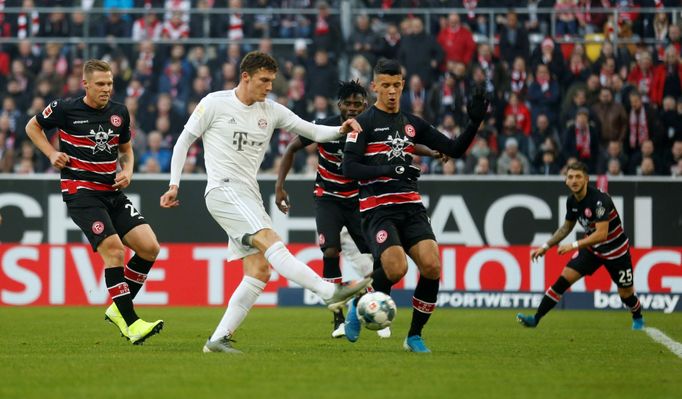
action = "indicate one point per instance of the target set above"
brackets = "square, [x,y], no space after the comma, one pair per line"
[236,136]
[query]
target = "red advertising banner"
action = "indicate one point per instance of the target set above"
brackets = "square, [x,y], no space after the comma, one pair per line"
[199,275]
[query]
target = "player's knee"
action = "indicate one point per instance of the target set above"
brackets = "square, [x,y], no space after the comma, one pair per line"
[114,254]
[150,251]
[396,271]
[331,252]
[431,270]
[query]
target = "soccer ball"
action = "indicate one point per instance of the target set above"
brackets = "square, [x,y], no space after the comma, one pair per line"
[376,310]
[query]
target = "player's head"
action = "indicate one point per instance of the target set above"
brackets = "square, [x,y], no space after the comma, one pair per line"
[388,84]
[257,72]
[577,177]
[98,81]
[352,99]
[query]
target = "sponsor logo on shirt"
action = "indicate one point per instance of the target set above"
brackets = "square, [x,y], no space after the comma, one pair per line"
[381,129]
[81,122]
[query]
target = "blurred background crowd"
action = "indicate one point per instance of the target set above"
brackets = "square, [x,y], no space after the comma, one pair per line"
[569,81]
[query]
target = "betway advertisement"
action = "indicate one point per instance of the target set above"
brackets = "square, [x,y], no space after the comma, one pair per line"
[199,275]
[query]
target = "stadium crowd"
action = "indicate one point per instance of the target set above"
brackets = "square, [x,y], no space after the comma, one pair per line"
[616,108]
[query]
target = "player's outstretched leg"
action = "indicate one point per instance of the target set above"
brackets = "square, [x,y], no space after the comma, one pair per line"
[352,324]
[339,325]
[632,302]
[549,301]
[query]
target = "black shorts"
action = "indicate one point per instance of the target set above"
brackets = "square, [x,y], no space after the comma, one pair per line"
[620,269]
[100,216]
[331,215]
[404,225]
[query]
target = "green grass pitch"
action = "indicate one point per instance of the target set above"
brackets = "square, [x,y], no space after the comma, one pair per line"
[71,352]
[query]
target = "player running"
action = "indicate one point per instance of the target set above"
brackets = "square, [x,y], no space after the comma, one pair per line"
[236,126]
[394,219]
[605,244]
[94,134]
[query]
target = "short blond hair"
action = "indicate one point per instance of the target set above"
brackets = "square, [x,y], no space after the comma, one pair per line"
[93,65]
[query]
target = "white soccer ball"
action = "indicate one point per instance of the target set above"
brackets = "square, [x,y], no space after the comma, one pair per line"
[376,310]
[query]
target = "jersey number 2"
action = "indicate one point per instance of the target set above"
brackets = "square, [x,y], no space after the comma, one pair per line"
[133,211]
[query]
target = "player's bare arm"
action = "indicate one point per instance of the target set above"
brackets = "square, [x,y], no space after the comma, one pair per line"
[281,196]
[35,132]
[126,159]
[170,198]
[350,125]
[599,235]
[556,238]
[422,150]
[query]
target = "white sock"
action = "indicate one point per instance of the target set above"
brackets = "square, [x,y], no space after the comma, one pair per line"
[293,269]
[240,303]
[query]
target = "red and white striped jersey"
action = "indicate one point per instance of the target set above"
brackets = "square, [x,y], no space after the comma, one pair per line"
[90,137]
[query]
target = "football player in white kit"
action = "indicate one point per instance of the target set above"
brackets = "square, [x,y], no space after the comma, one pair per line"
[236,126]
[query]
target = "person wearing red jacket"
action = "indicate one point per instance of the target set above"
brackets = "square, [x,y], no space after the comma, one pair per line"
[457,41]
[667,79]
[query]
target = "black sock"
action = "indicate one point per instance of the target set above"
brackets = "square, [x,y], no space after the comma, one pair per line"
[331,271]
[136,273]
[552,297]
[380,280]
[338,317]
[632,302]
[424,303]
[120,293]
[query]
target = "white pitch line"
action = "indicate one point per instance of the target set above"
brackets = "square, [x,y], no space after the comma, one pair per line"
[658,336]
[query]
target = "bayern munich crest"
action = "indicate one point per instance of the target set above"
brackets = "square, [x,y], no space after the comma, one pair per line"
[410,131]
[381,237]
[116,120]
[98,227]
[262,123]
[588,212]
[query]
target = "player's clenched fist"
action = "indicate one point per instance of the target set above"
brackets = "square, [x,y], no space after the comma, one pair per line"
[59,159]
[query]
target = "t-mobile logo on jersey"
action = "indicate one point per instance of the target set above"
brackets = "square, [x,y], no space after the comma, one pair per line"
[241,139]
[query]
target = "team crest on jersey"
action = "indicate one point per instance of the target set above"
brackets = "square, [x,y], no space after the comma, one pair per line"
[101,140]
[410,131]
[262,123]
[398,144]
[600,211]
[381,237]
[321,239]
[98,227]
[116,120]
[588,212]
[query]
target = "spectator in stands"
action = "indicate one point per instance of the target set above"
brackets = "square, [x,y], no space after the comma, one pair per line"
[147,27]
[646,167]
[521,113]
[492,69]
[621,91]
[360,70]
[161,155]
[611,117]
[589,21]
[614,168]
[614,150]
[542,132]
[577,71]
[6,150]
[321,108]
[175,28]
[513,40]
[327,32]
[676,170]
[642,75]
[510,130]
[420,54]
[483,167]
[549,165]
[518,77]
[390,43]
[512,153]
[363,41]
[415,96]
[642,124]
[456,40]
[479,150]
[675,37]
[566,22]
[322,76]
[543,94]
[607,51]
[667,77]
[647,151]
[547,53]
[581,140]
[671,121]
